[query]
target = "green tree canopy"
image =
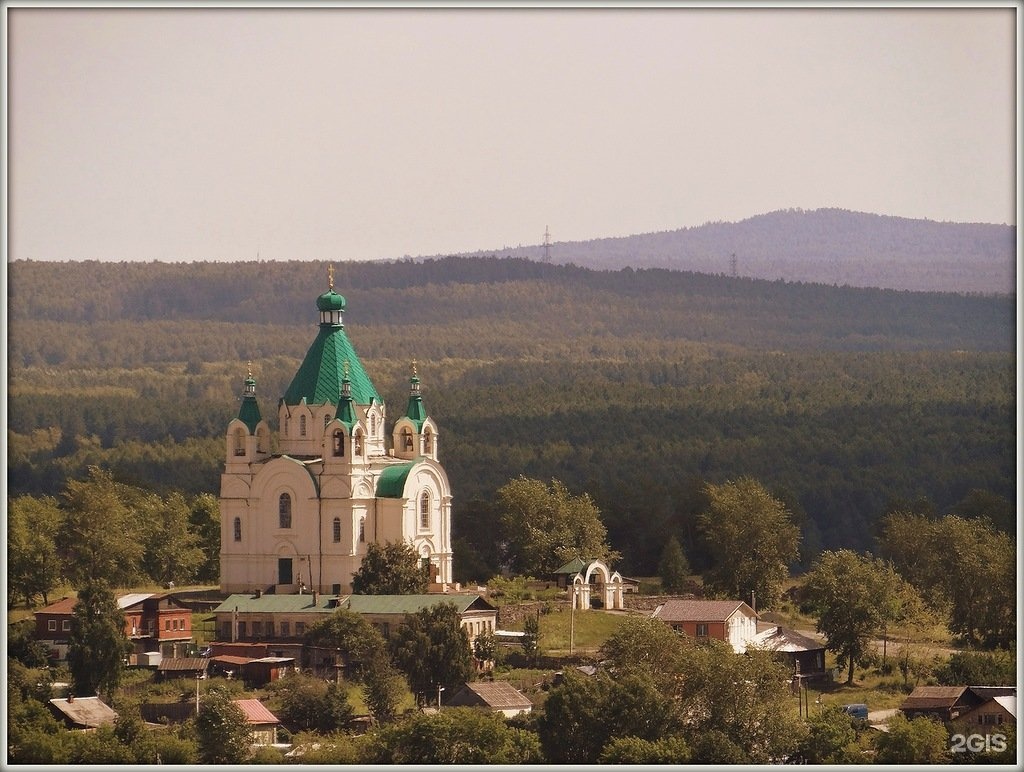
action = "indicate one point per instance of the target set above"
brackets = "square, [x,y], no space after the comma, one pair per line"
[222,730]
[454,736]
[544,527]
[390,569]
[750,539]
[312,704]
[673,568]
[921,741]
[359,642]
[33,563]
[97,645]
[432,648]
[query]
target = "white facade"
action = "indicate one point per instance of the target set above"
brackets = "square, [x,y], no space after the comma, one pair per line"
[303,516]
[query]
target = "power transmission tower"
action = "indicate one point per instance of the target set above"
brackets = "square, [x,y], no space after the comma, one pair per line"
[547,245]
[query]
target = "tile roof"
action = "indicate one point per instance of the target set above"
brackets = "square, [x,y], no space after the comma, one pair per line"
[85,711]
[700,610]
[500,695]
[62,606]
[256,712]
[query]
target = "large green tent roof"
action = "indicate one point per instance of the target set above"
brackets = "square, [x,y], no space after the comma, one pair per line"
[318,379]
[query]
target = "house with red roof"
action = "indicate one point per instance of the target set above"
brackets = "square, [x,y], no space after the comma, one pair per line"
[731,621]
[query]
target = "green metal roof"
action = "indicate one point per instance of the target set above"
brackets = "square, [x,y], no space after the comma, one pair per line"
[249,413]
[247,602]
[391,483]
[415,411]
[318,379]
[331,301]
[360,604]
[410,604]
[574,566]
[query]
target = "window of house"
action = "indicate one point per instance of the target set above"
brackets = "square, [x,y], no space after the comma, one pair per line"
[284,628]
[167,624]
[65,625]
[284,511]
[702,630]
[339,442]
[51,625]
[362,530]
[425,510]
[337,530]
[300,628]
[241,629]
[257,628]
[302,426]
[238,529]
[225,631]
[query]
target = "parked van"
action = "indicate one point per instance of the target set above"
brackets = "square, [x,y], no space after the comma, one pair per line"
[857,710]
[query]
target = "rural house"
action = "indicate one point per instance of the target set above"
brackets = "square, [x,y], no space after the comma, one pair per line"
[83,712]
[261,721]
[731,621]
[152,622]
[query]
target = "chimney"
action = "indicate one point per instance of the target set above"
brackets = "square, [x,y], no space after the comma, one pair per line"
[259,592]
[71,697]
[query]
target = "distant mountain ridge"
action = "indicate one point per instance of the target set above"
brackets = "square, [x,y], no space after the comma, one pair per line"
[828,246]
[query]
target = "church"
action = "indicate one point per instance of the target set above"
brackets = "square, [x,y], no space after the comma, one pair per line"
[298,510]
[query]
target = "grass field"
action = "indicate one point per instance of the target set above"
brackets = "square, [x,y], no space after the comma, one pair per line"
[589,629]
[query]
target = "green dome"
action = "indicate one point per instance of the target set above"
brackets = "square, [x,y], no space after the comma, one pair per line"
[331,301]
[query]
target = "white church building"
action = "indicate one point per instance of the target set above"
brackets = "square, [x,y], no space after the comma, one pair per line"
[299,517]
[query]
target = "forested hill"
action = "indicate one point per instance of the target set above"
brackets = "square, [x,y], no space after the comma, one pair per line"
[469,304]
[635,386]
[830,246]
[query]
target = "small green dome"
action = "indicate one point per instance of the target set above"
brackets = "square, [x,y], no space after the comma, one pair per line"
[331,301]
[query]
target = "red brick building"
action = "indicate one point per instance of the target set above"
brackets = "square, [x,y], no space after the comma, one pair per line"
[152,621]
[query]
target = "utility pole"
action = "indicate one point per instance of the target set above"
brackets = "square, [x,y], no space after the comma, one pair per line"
[439,690]
[547,245]
[572,617]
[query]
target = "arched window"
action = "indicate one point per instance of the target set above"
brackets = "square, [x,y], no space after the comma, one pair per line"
[284,511]
[238,529]
[362,530]
[373,424]
[406,438]
[302,426]
[425,510]
[337,530]
[339,442]
[428,441]
[327,420]
[357,443]
[261,440]
[239,441]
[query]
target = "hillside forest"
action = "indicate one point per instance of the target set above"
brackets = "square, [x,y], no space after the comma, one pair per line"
[637,387]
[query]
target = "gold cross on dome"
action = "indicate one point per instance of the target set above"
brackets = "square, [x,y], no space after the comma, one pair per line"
[330,277]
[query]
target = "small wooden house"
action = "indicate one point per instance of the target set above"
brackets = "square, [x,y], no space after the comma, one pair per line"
[263,723]
[732,621]
[498,696]
[83,712]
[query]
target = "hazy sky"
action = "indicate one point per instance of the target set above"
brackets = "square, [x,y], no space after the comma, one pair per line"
[334,133]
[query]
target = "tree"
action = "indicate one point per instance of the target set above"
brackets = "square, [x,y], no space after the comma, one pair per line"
[97,646]
[830,735]
[100,537]
[852,596]
[357,641]
[204,520]
[751,540]
[33,564]
[311,704]
[645,643]
[391,569]
[383,688]
[583,714]
[531,637]
[171,549]
[673,568]
[454,736]
[222,729]
[432,649]
[633,750]
[544,527]
[979,668]
[921,741]
[485,647]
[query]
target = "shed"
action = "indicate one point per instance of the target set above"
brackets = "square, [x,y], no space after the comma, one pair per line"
[83,712]
[498,696]
[802,654]
[263,723]
[257,672]
[182,667]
